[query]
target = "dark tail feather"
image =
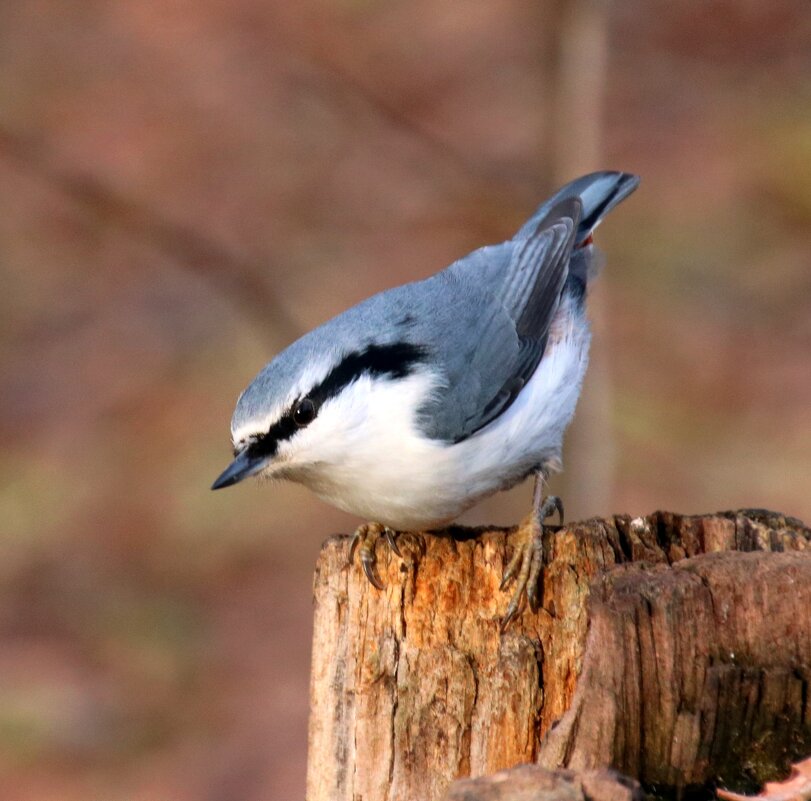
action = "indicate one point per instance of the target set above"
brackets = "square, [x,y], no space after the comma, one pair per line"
[598,192]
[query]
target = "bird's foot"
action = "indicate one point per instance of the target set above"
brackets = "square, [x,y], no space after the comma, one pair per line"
[528,559]
[364,541]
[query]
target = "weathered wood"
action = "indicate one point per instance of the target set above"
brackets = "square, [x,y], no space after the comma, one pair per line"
[413,687]
[694,674]
[533,783]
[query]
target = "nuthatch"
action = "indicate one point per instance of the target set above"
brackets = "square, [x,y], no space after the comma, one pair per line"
[420,401]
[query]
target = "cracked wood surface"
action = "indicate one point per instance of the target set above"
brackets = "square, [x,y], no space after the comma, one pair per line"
[413,687]
[534,783]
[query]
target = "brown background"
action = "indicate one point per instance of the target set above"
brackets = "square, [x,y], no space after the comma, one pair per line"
[186,186]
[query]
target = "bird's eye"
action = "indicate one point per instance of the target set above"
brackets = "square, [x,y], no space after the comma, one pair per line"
[304,412]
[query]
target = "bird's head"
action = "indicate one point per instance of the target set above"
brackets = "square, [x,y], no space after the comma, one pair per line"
[312,405]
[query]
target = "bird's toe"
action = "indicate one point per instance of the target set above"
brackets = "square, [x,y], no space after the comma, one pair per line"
[364,542]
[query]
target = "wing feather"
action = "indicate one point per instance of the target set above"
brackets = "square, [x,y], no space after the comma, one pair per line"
[500,325]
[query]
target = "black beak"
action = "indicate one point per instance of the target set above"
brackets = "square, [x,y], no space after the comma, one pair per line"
[242,467]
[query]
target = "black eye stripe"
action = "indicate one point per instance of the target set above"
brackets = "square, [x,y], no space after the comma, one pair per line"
[394,361]
[267,444]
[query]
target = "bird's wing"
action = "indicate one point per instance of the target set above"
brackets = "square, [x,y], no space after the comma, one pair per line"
[493,309]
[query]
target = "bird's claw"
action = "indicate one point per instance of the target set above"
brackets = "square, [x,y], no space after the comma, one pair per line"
[527,561]
[391,539]
[364,541]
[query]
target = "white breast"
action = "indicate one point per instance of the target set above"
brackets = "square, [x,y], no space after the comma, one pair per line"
[382,468]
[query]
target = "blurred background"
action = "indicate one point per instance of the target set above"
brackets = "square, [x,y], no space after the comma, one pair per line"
[185,187]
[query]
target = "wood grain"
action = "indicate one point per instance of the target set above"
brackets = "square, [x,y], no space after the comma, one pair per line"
[630,655]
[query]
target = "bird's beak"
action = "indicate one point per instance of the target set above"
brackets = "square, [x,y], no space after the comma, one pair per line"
[242,467]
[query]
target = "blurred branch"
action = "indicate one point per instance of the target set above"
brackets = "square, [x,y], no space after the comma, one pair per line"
[579,86]
[478,170]
[196,252]
[188,248]
[334,79]
[231,275]
[579,79]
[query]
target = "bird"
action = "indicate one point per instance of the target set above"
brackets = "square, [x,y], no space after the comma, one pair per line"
[412,406]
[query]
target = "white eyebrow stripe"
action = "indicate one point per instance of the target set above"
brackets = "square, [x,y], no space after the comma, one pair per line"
[312,375]
[323,381]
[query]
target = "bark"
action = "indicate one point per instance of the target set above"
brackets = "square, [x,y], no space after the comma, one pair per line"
[671,666]
[694,674]
[533,783]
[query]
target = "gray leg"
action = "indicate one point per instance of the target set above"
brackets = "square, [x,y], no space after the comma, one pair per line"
[527,559]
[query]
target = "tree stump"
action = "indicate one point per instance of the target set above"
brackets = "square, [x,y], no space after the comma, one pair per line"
[658,651]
